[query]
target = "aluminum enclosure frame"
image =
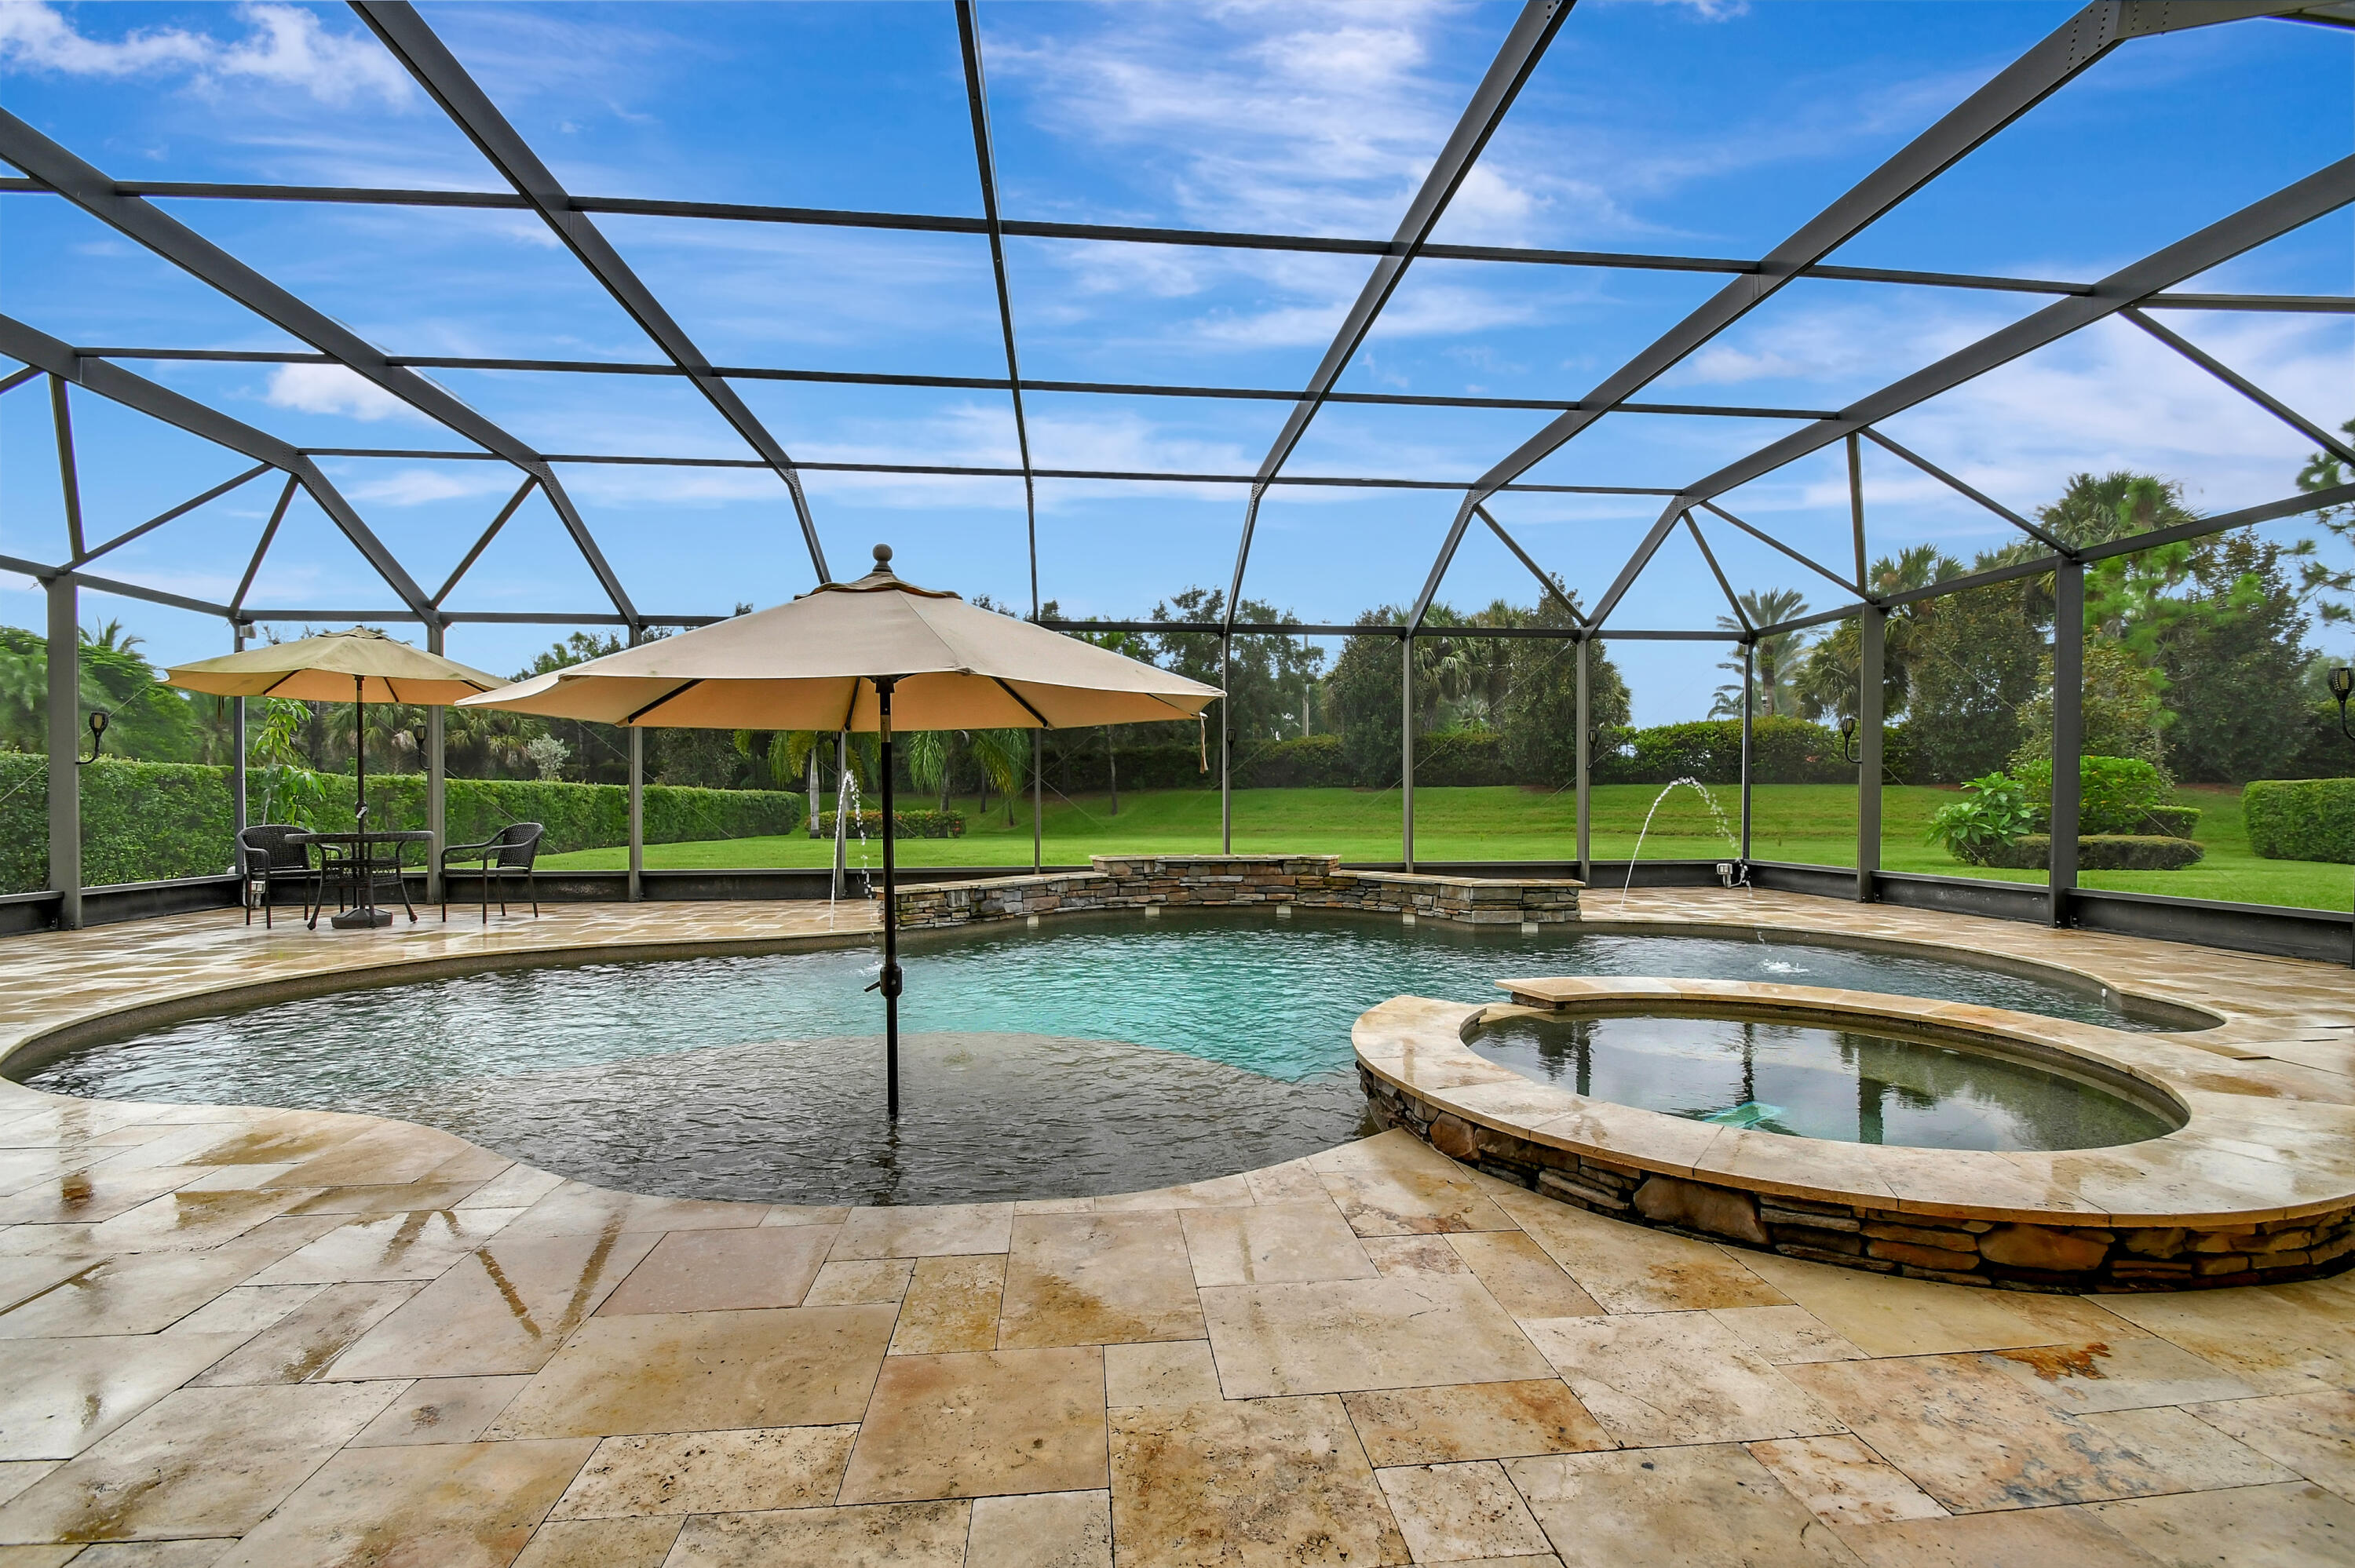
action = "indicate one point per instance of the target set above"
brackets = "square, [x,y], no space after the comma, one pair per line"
[2152,284]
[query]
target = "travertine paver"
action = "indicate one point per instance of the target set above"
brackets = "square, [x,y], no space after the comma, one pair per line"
[345,1341]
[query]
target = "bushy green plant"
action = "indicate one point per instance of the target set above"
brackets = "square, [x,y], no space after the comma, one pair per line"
[1992,812]
[912,824]
[152,822]
[2301,818]
[2114,793]
[2099,852]
[1304,762]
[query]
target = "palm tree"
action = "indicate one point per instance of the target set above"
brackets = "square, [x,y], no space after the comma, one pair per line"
[998,754]
[1775,654]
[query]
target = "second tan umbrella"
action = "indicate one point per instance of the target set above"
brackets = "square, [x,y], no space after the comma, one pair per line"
[359,665]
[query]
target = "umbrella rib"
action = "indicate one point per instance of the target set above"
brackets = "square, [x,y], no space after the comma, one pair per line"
[1026,709]
[658,702]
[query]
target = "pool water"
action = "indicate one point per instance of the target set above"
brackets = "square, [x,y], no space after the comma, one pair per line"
[1094,1054]
[1810,1081]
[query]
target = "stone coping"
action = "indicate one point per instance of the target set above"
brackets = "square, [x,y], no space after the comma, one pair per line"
[1152,881]
[2254,1155]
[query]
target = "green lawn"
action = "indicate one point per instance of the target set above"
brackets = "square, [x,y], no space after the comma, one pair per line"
[1807,824]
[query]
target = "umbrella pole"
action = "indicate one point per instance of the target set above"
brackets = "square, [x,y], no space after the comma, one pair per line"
[891,981]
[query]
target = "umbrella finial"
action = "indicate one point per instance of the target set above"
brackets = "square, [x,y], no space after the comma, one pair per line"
[883,557]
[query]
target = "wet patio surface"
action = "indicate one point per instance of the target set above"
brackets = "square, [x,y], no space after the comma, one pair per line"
[235,1335]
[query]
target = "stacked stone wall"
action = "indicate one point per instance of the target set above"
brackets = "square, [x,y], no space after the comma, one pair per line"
[1304,882]
[2015,1256]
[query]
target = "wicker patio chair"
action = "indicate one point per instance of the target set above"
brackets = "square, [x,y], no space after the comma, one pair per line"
[268,855]
[509,853]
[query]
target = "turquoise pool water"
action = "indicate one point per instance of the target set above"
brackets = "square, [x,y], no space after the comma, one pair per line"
[1094,1054]
[1808,1081]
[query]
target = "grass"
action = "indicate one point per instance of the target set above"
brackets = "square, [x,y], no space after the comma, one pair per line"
[1807,824]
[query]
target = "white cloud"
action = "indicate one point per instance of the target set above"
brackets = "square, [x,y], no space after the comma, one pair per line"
[1708,10]
[2107,397]
[332,389]
[417,486]
[283,46]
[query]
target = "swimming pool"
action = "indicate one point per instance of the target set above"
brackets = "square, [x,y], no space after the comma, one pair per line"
[1094,1054]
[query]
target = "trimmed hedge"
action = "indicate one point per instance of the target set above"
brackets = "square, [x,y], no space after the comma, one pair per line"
[2097,851]
[150,822]
[1076,763]
[1457,758]
[1784,750]
[2301,818]
[916,824]
[2170,821]
[1304,762]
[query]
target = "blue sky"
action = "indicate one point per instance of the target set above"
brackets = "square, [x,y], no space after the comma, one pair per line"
[1673,128]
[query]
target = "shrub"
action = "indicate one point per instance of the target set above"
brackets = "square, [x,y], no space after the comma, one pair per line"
[2301,818]
[1077,763]
[1460,756]
[912,824]
[151,821]
[1304,762]
[1992,815]
[2115,793]
[1784,750]
[2170,821]
[2098,852]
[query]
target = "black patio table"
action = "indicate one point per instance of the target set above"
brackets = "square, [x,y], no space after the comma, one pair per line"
[362,862]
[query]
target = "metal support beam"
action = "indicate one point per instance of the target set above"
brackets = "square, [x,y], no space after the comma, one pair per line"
[1524,45]
[1118,234]
[952,383]
[2050,64]
[238,819]
[1872,668]
[1406,751]
[2328,441]
[1226,744]
[1749,730]
[2068,730]
[1645,551]
[1959,488]
[261,545]
[1583,780]
[976,92]
[2289,209]
[91,189]
[1545,581]
[1740,615]
[15,379]
[65,733]
[637,801]
[132,391]
[489,533]
[69,471]
[85,556]
[437,781]
[406,37]
[1771,542]
[1856,507]
[637,890]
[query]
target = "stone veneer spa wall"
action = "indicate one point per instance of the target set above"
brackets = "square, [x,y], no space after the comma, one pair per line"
[1193,881]
[1418,1075]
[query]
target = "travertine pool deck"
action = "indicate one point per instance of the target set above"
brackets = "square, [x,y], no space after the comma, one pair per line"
[235,1335]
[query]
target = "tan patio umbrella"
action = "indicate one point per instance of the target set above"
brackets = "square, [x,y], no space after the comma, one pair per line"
[359,665]
[874,655]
